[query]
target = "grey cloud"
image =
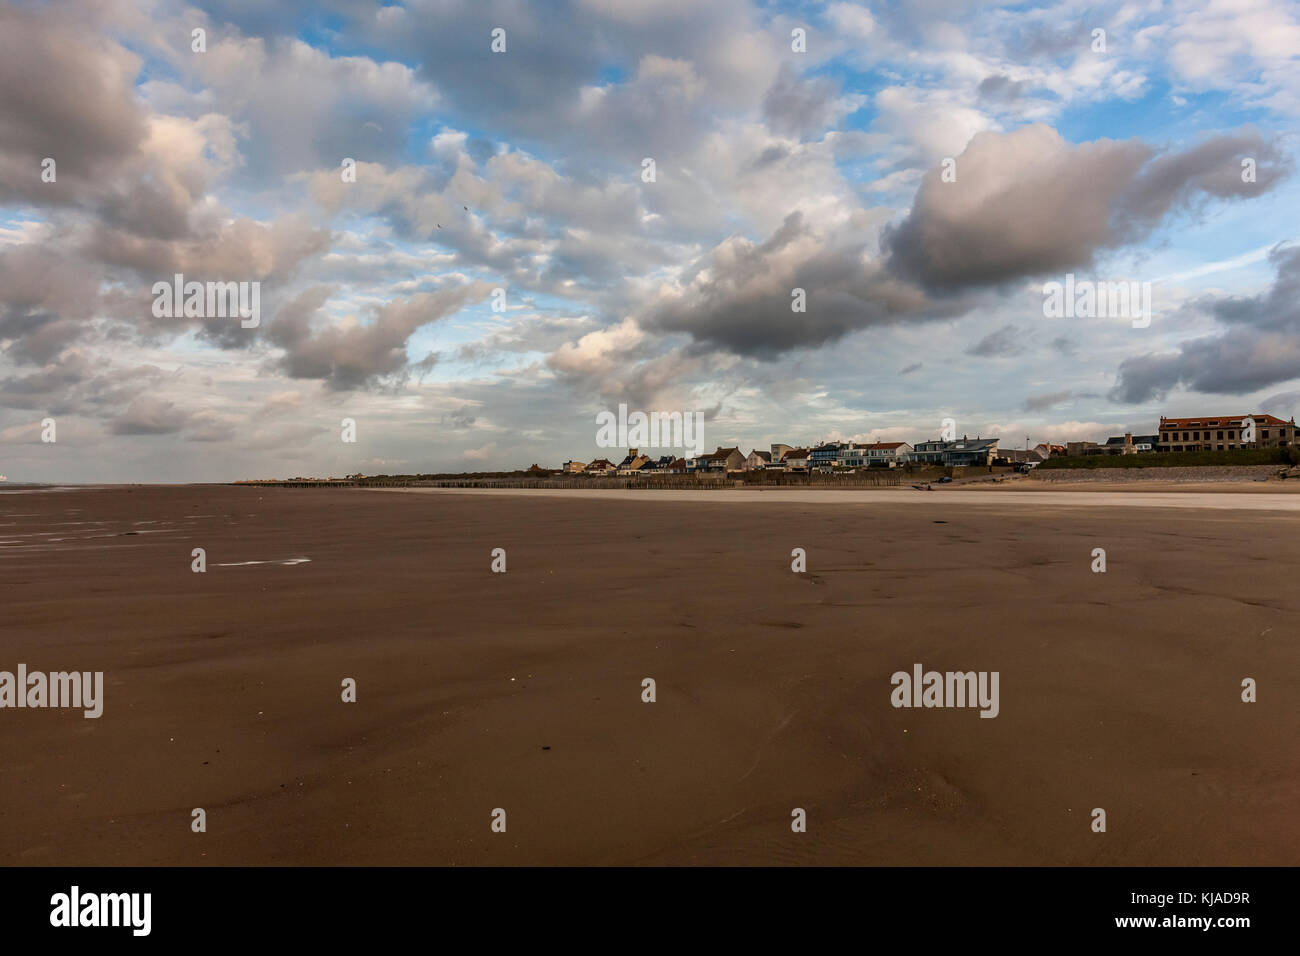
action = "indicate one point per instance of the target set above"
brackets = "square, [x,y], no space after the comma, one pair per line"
[1259,345]
[65,92]
[46,302]
[1065,346]
[305,109]
[1040,41]
[1027,203]
[208,426]
[460,418]
[1037,403]
[800,106]
[666,61]
[1212,168]
[1000,87]
[347,357]
[739,295]
[1283,405]
[149,416]
[914,367]
[1001,343]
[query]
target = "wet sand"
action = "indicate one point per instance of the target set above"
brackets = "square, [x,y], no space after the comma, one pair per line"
[523,690]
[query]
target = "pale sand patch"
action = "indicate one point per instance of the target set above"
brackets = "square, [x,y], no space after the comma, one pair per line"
[938,499]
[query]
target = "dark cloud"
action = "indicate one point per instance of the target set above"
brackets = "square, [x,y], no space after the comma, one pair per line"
[1259,345]
[1037,403]
[354,356]
[66,92]
[914,367]
[460,418]
[1002,343]
[620,83]
[149,416]
[1027,203]
[1283,405]
[800,106]
[1000,87]
[739,296]
[1065,346]
[46,302]
[1039,41]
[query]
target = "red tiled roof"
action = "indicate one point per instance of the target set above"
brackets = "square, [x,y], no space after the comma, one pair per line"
[1219,421]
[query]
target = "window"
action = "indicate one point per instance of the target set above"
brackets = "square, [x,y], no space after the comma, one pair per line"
[1220,436]
[1232,434]
[1264,433]
[1184,436]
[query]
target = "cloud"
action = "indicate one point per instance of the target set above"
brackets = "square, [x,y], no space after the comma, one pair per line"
[66,92]
[1257,347]
[1003,342]
[801,106]
[740,295]
[1027,203]
[459,418]
[998,86]
[481,454]
[303,108]
[1038,403]
[353,355]
[149,416]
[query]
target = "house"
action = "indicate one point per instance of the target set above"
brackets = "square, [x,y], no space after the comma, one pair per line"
[1129,444]
[722,461]
[633,463]
[601,466]
[675,467]
[961,453]
[824,456]
[573,467]
[1046,450]
[796,460]
[1015,456]
[758,460]
[779,450]
[851,455]
[887,454]
[1225,433]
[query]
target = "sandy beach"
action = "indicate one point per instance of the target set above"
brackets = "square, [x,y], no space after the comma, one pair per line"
[523,691]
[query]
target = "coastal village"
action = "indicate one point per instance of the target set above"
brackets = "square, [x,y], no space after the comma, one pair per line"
[1202,433]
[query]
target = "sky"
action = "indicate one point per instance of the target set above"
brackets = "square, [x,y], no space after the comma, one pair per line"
[474,225]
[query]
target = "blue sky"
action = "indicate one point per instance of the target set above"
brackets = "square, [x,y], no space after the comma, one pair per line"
[522,171]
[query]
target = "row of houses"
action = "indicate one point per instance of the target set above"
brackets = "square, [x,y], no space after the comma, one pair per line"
[1219,433]
[1202,433]
[828,456]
